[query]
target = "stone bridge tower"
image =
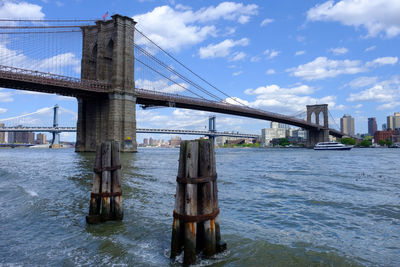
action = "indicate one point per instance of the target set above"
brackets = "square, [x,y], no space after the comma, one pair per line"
[322,134]
[108,56]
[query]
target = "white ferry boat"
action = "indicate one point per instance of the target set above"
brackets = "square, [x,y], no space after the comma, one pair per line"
[331,146]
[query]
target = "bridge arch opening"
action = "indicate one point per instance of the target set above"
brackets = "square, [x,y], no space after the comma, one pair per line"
[321,120]
[313,117]
[94,52]
[108,56]
[109,50]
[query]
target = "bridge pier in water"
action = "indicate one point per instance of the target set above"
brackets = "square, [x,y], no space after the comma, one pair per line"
[322,134]
[108,56]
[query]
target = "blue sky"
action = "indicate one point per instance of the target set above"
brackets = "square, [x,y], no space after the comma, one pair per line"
[274,55]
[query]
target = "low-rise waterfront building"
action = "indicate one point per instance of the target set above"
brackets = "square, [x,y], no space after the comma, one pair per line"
[385,135]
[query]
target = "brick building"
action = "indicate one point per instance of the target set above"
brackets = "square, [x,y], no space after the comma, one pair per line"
[385,135]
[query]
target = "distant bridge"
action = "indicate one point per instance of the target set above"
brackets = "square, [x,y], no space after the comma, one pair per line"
[138,130]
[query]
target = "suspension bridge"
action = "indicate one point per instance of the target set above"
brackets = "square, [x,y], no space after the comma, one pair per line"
[110,67]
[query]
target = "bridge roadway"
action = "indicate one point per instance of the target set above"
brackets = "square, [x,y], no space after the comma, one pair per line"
[22,79]
[138,130]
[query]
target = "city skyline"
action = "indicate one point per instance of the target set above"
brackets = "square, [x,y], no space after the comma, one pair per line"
[272,56]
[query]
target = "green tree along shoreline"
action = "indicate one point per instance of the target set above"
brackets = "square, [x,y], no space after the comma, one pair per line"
[240,145]
[348,141]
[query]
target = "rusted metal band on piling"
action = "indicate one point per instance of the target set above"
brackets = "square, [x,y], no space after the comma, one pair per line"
[106,194]
[197,180]
[197,218]
[112,168]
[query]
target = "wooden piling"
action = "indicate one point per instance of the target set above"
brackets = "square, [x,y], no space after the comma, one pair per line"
[95,199]
[207,196]
[196,202]
[191,171]
[177,225]
[106,196]
[116,209]
[105,180]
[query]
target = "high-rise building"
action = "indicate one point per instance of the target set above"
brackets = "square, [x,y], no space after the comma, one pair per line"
[384,127]
[347,125]
[389,122]
[393,122]
[372,127]
[396,120]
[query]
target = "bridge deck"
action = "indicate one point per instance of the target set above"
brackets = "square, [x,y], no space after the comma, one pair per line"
[22,79]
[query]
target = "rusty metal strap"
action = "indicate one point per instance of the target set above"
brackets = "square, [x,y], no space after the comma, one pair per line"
[198,218]
[112,168]
[106,194]
[196,180]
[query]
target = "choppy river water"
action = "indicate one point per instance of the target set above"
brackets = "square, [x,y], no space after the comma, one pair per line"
[279,207]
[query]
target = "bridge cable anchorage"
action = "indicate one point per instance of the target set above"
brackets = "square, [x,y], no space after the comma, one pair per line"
[177,73]
[180,63]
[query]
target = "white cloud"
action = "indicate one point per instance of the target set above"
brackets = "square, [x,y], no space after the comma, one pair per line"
[3,110]
[5,96]
[376,93]
[299,53]
[243,19]
[362,81]
[371,48]
[339,107]
[237,101]
[266,22]
[382,61]
[270,72]
[339,50]
[271,53]
[222,49]
[237,73]
[377,16]
[20,10]
[162,85]
[322,67]
[187,27]
[238,56]
[286,100]
[385,92]
[255,59]
[59,61]
[358,106]
[54,64]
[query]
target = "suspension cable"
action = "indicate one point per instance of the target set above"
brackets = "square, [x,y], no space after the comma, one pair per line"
[176,60]
[169,79]
[177,73]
